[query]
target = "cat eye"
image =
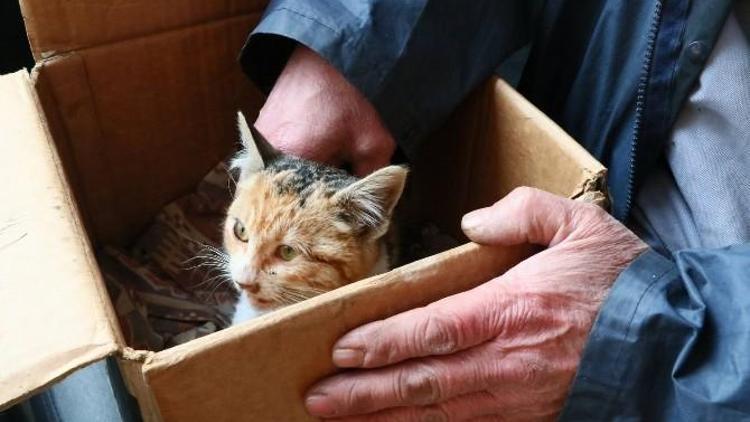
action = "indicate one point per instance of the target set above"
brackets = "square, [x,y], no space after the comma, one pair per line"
[239,231]
[287,253]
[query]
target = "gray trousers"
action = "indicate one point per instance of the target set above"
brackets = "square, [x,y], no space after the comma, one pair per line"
[95,393]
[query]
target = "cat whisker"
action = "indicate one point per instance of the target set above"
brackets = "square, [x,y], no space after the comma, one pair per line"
[209,255]
[289,295]
[206,281]
[288,298]
[308,290]
[205,264]
[205,250]
[219,284]
[216,262]
[284,300]
[231,181]
[215,271]
[210,279]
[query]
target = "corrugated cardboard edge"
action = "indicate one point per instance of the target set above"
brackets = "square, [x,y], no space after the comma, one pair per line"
[52,369]
[131,363]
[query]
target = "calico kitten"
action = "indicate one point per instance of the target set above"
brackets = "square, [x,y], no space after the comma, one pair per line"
[297,228]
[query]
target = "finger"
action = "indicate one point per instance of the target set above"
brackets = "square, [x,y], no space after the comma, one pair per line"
[428,381]
[525,215]
[467,407]
[415,382]
[443,327]
[480,406]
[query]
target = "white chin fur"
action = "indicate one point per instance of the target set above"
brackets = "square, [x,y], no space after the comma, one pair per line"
[244,310]
[236,267]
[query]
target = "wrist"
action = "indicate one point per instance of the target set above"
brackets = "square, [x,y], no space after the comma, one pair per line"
[314,112]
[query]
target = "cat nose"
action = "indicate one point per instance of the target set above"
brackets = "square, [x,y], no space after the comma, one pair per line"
[252,286]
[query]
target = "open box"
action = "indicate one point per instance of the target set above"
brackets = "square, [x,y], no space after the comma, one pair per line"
[128,107]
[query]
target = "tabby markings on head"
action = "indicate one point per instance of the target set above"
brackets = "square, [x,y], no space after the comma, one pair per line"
[298,228]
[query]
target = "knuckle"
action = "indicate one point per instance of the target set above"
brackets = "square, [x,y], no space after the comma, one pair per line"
[523,193]
[587,211]
[523,197]
[593,212]
[378,348]
[419,386]
[378,343]
[440,334]
[521,313]
[532,372]
[355,397]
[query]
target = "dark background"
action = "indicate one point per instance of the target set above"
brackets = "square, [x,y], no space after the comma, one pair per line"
[14,47]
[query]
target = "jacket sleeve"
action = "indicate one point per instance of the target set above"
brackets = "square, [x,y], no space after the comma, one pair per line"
[414,60]
[672,342]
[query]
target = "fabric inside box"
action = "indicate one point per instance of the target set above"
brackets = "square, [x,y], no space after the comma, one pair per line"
[165,288]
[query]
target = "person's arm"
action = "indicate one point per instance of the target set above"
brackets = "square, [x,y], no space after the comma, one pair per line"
[413,61]
[672,342]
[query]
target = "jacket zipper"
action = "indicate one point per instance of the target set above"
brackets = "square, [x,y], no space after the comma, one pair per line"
[640,102]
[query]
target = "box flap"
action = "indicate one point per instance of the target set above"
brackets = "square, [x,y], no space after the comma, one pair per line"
[54,311]
[116,133]
[60,26]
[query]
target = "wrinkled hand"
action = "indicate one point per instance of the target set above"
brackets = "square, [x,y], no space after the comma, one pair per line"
[315,113]
[507,349]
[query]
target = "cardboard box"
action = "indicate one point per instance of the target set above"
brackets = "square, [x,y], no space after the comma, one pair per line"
[128,107]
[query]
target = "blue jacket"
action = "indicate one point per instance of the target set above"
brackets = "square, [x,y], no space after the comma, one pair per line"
[672,341]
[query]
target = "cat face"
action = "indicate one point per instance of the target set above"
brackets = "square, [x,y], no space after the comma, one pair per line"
[297,228]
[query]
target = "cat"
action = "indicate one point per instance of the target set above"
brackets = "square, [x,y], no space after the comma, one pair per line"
[297,228]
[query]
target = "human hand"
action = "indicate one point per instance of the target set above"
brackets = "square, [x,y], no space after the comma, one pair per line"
[315,113]
[507,349]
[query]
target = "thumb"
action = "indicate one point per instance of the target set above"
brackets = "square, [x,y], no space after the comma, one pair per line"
[526,215]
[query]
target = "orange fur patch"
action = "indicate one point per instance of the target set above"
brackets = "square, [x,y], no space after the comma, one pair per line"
[330,253]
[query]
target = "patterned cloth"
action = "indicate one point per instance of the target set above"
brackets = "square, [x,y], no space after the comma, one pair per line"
[167,288]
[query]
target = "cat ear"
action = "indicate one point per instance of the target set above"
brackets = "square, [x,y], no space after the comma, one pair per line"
[368,203]
[256,152]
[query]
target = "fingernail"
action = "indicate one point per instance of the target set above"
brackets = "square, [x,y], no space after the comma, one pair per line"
[471,221]
[348,358]
[320,405]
